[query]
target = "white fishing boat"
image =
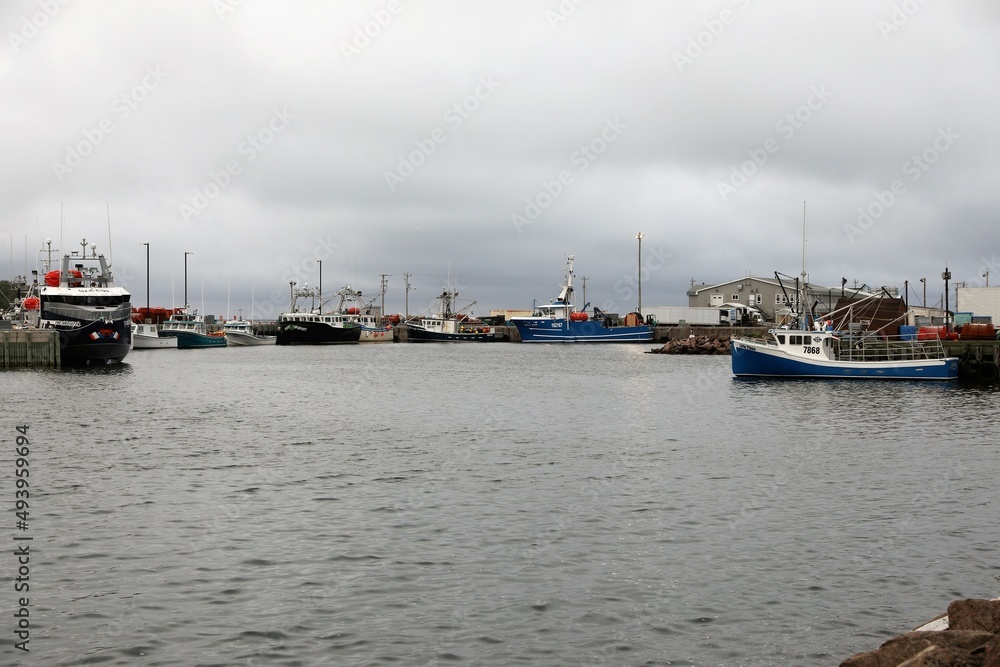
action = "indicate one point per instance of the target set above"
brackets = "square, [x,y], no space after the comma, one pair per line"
[240,332]
[147,337]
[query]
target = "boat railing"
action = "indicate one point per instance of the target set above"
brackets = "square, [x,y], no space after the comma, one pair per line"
[876,347]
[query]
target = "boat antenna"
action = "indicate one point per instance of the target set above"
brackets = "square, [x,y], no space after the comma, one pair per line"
[804,324]
[111,255]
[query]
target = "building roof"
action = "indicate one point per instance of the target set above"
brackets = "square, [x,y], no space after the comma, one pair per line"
[696,289]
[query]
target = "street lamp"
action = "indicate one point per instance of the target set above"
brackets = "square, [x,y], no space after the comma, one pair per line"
[186,253]
[924,281]
[640,237]
[987,276]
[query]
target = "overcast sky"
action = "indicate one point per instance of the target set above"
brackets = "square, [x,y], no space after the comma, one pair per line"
[493,139]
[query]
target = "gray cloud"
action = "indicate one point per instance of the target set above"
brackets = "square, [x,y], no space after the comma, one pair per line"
[732,114]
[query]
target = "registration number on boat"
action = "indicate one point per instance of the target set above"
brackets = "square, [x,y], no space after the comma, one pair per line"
[810,350]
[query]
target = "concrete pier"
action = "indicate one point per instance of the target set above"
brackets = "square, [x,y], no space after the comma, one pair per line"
[978,360]
[25,348]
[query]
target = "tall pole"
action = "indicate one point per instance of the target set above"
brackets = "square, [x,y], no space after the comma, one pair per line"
[406,282]
[147,278]
[987,276]
[946,276]
[384,285]
[186,253]
[924,281]
[640,237]
[321,285]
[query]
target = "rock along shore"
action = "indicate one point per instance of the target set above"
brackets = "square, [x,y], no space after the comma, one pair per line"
[969,636]
[694,345]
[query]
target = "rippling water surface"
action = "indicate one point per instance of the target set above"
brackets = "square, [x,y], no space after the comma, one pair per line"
[489,505]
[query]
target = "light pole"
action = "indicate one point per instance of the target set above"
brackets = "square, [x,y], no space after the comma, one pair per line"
[640,237]
[946,276]
[186,253]
[987,276]
[924,281]
[147,279]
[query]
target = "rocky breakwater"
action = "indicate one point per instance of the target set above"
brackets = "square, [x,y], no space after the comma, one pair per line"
[968,636]
[694,345]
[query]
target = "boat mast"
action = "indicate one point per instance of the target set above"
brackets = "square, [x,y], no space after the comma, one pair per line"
[803,324]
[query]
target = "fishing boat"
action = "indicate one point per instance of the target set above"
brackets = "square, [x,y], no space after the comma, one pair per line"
[147,337]
[449,326]
[312,326]
[805,353]
[80,300]
[374,328]
[560,322]
[240,332]
[841,343]
[191,332]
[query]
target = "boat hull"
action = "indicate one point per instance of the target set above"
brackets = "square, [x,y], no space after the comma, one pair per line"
[417,335]
[316,333]
[146,337]
[750,360]
[192,340]
[240,339]
[144,342]
[376,335]
[95,343]
[542,330]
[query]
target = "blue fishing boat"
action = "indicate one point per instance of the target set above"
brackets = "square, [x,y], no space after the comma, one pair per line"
[560,322]
[191,331]
[839,345]
[797,353]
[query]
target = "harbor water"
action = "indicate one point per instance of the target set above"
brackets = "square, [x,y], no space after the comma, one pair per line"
[487,504]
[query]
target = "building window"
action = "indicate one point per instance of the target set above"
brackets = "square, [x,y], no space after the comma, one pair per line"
[760,298]
[736,297]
